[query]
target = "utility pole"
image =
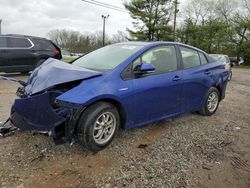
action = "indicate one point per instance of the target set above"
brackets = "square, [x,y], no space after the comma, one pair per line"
[0,26]
[104,18]
[175,15]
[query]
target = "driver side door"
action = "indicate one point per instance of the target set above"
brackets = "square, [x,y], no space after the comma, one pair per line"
[157,94]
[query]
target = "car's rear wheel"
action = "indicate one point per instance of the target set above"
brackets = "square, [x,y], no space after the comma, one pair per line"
[98,125]
[212,102]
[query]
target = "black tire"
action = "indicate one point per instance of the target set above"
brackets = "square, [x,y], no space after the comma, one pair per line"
[87,121]
[230,75]
[205,110]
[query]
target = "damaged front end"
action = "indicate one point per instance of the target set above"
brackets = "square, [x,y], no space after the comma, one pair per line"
[44,114]
[38,110]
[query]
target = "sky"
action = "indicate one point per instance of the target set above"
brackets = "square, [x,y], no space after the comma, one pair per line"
[38,17]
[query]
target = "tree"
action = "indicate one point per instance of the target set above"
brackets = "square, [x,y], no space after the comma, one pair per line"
[217,27]
[199,11]
[75,41]
[151,19]
[119,37]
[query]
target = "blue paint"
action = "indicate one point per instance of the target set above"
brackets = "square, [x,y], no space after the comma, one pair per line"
[144,100]
[53,72]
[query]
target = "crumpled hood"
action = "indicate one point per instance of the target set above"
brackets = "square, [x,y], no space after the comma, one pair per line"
[53,72]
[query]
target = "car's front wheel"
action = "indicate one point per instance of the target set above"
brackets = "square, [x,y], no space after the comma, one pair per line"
[211,103]
[98,125]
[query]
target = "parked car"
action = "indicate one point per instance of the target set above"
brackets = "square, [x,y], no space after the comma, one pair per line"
[236,61]
[123,85]
[19,53]
[225,59]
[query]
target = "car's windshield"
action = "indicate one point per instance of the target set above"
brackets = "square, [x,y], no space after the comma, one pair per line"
[107,58]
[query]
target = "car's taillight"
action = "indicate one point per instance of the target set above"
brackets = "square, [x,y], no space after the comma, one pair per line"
[55,52]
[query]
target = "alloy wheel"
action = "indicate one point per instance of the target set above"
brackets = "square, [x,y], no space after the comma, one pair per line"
[212,101]
[104,128]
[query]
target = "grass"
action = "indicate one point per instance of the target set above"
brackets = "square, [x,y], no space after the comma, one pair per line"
[68,59]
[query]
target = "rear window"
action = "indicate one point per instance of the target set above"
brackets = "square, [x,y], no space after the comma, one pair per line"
[3,42]
[190,57]
[19,42]
[42,44]
[203,58]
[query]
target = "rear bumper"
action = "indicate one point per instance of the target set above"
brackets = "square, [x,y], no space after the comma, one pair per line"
[36,114]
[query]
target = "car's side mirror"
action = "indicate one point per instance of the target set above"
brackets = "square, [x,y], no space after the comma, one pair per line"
[145,67]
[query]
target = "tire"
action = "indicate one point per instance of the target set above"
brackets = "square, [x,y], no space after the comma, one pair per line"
[93,126]
[211,106]
[230,75]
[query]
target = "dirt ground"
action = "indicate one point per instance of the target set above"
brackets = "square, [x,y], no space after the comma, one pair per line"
[186,151]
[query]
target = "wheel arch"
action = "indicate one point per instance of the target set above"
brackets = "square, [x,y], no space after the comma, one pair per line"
[219,89]
[117,104]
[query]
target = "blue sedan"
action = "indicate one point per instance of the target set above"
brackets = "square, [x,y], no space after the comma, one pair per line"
[123,85]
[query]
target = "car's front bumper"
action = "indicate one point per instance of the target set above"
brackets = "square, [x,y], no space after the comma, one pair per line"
[35,113]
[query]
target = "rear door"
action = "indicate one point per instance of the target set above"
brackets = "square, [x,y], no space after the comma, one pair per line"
[3,52]
[196,78]
[20,52]
[158,94]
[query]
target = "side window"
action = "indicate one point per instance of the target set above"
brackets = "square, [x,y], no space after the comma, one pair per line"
[3,42]
[203,58]
[190,57]
[163,58]
[42,44]
[19,42]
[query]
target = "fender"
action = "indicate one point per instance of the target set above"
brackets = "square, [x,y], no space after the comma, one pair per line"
[86,94]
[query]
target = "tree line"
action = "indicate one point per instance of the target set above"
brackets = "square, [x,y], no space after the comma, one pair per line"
[77,42]
[218,27]
[215,26]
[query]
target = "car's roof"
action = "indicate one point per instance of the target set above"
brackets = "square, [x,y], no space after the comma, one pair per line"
[156,43]
[22,36]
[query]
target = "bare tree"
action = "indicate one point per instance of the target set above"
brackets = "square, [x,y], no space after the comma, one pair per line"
[226,9]
[199,11]
[119,37]
[75,41]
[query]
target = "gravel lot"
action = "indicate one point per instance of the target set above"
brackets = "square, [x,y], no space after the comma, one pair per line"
[187,151]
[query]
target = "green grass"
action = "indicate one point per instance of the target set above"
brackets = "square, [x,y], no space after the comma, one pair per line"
[68,59]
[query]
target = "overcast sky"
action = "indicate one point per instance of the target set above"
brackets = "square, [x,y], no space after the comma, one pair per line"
[37,17]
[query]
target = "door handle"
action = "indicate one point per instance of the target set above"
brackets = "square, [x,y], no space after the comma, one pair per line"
[177,78]
[208,72]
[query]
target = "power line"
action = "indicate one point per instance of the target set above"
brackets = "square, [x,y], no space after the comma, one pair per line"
[109,5]
[103,5]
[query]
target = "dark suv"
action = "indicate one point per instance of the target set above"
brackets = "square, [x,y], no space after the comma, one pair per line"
[19,53]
